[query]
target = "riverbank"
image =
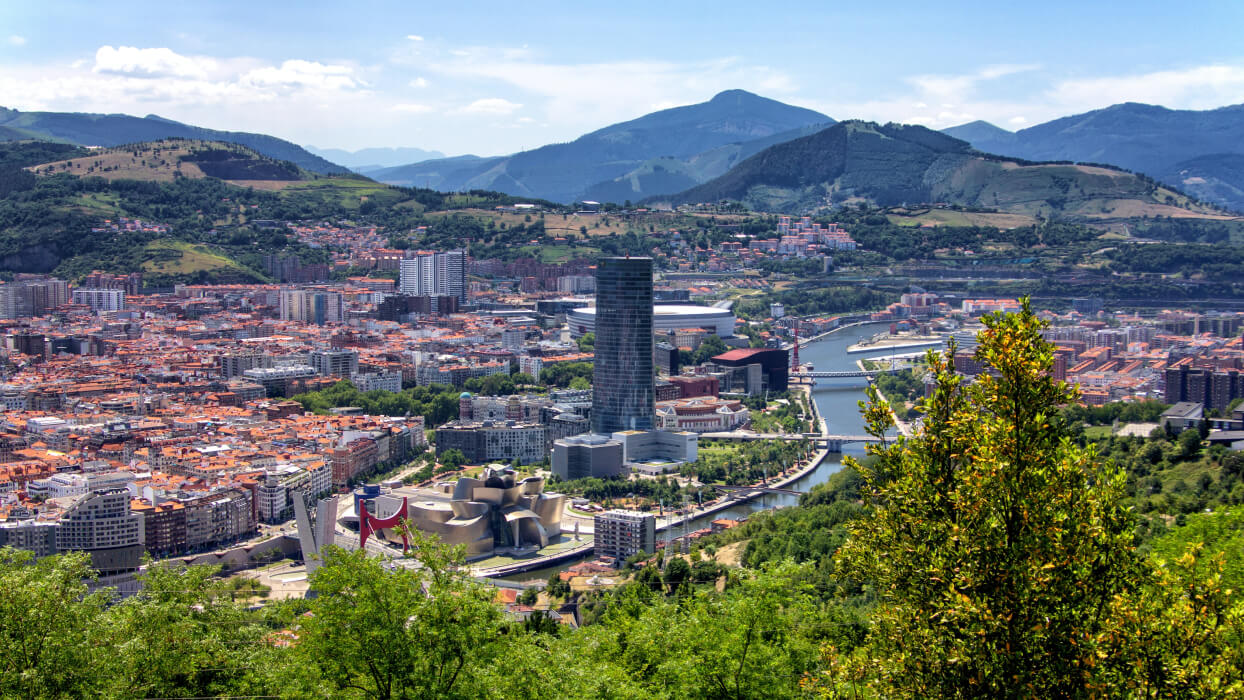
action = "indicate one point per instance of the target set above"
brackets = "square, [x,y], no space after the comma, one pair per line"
[904,428]
[898,343]
[821,336]
[662,525]
[814,462]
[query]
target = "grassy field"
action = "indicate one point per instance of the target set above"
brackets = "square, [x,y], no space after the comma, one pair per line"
[603,224]
[948,217]
[158,161]
[181,258]
[349,193]
[558,253]
[101,204]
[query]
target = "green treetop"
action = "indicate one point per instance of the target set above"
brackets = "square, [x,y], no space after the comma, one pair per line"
[1002,559]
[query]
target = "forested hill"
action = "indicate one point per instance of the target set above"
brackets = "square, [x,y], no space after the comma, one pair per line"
[565,172]
[893,164]
[1199,152]
[199,201]
[106,130]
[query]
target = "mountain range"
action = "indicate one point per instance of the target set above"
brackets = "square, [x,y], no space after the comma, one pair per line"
[657,153]
[896,164]
[687,149]
[107,130]
[372,159]
[1200,152]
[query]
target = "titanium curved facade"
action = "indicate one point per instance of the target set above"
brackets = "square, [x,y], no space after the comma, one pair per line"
[622,386]
[496,511]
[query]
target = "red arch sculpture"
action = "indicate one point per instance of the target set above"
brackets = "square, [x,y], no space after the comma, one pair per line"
[370,524]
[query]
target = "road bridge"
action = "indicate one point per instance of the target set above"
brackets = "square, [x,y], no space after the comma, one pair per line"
[766,489]
[867,373]
[832,443]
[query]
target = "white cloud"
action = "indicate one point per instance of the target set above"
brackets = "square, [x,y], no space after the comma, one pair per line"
[414,37]
[153,62]
[411,108]
[1201,87]
[1017,121]
[418,83]
[297,73]
[949,90]
[17,40]
[584,96]
[302,98]
[490,105]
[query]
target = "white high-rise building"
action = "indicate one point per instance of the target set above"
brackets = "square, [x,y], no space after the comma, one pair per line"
[435,274]
[100,299]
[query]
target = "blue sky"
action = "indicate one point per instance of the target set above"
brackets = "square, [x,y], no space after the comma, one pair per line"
[488,78]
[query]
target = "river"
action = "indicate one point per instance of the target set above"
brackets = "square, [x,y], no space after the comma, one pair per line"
[838,403]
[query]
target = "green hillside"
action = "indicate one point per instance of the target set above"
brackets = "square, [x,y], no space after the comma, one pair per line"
[206,193]
[1201,152]
[108,130]
[893,164]
[168,159]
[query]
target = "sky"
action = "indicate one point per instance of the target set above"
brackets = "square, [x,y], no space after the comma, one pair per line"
[497,77]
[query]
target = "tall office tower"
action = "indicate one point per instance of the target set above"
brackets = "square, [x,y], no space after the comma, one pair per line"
[435,274]
[622,383]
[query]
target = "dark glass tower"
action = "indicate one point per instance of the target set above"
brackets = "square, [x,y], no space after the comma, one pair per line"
[622,386]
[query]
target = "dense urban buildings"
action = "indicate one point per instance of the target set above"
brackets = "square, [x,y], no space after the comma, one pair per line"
[180,397]
[435,275]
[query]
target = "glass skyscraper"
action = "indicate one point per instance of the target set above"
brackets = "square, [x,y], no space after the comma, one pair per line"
[622,383]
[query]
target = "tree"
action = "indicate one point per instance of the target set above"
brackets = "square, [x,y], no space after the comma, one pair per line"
[756,640]
[994,542]
[711,347]
[184,635]
[587,342]
[556,587]
[378,631]
[1189,443]
[677,575]
[580,384]
[1003,559]
[451,459]
[49,627]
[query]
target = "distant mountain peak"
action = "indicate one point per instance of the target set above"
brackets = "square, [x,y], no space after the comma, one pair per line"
[565,171]
[981,124]
[158,118]
[734,94]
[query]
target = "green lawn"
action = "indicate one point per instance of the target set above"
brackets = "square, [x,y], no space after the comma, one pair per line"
[168,256]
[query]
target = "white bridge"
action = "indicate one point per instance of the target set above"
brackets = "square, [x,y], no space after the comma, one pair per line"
[867,373]
[832,443]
